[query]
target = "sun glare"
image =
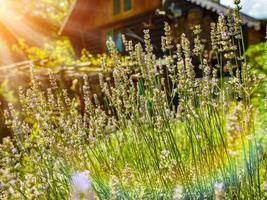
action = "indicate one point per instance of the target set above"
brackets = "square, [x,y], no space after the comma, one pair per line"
[13,26]
[2,5]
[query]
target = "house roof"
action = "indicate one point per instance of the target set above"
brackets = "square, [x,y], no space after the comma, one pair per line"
[76,12]
[251,22]
[67,17]
[255,8]
[80,6]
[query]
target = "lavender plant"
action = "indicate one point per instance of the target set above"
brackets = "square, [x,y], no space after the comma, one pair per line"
[156,131]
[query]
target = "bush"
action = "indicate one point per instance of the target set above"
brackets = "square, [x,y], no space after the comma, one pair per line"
[258,57]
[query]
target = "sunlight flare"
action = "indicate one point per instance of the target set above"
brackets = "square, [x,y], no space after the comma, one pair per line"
[15,26]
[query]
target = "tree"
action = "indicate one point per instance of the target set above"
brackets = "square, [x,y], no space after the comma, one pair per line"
[53,10]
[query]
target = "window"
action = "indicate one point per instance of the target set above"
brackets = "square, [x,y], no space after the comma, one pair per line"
[116,37]
[109,34]
[127,5]
[118,41]
[116,7]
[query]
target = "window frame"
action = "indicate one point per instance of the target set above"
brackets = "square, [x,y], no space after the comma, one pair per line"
[112,32]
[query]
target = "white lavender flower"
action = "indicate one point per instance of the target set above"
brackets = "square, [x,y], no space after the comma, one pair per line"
[81,184]
[178,193]
[219,190]
[264,187]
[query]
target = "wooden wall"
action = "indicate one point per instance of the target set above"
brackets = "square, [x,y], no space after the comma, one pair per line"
[254,36]
[103,12]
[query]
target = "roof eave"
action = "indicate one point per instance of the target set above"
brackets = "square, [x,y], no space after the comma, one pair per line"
[219,8]
[62,28]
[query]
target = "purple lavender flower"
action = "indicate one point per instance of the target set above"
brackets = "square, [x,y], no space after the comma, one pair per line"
[226,34]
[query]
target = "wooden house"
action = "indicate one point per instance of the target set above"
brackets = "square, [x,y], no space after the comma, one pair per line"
[91,22]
